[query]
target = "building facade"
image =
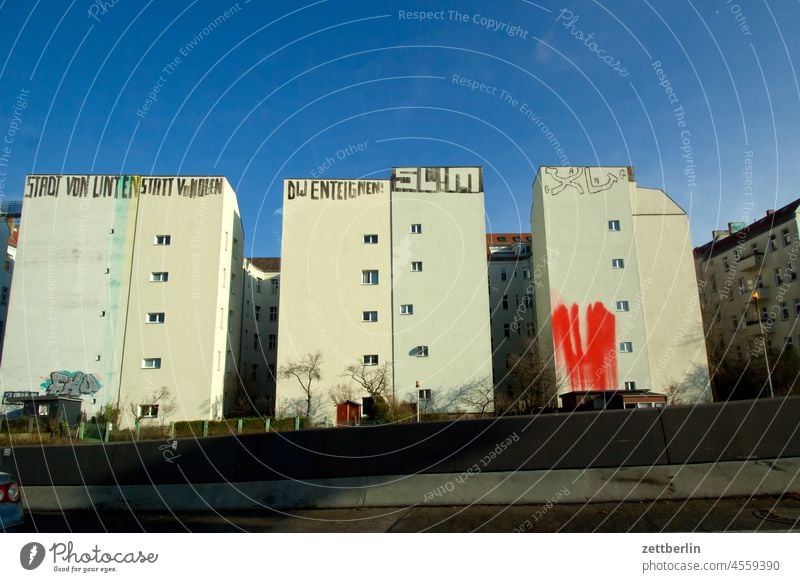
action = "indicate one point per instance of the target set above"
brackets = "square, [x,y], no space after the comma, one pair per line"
[128,291]
[617,301]
[386,271]
[763,258]
[259,345]
[511,299]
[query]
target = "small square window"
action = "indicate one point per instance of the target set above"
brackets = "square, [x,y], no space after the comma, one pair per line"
[162,240]
[369,277]
[370,239]
[613,225]
[626,347]
[155,317]
[148,410]
[159,277]
[623,306]
[416,229]
[370,316]
[370,359]
[618,263]
[630,385]
[416,266]
[407,309]
[151,363]
[421,351]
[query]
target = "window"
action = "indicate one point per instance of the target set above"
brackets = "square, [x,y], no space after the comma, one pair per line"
[784,311]
[273,286]
[623,306]
[370,239]
[416,266]
[4,296]
[626,347]
[253,371]
[151,363]
[630,385]
[725,264]
[155,317]
[778,278]
[528,300]
[613,225]
[530,329]
[526,273]
[148,410]
[416,229]
[370,316]
[503,274]
[760,282]
[258,285]
[257,312]
[162,240]
[255,341]
[506,330]
[369,277]
[505,301]
[272,342]
[407,309]
[773,246]
[618,263]
[273,313]
[742,286]
[370,359]
[735,322]
[787,239]
[791,274]
[159,277]
[421,351]
[797,307]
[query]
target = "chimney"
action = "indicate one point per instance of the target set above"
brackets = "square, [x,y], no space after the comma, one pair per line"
[770,212]
[718,234]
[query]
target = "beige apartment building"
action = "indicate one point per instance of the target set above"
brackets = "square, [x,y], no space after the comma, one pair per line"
[511,299]
[259,345]
[386,271]
[616,302]
[128,291]
[761,257]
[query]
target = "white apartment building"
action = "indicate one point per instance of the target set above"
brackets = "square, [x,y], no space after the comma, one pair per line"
[617,299]
[376,271]
[8,239]
[126,287]
[259,345]
[761,257]
[511,299]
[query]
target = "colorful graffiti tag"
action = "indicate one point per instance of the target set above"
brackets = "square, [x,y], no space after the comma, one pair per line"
[75,384]
[590,364]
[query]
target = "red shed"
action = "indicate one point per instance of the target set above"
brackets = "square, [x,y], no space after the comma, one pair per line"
[348,413]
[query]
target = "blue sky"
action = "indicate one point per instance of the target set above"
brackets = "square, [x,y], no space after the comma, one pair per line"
[275,89]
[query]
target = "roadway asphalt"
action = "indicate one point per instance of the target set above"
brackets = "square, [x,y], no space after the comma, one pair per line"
[701,515]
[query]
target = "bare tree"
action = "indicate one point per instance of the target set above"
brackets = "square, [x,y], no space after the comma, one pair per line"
[537,380]
[373,379]
[161,405]
[306,371]
[477,396]
[340,393]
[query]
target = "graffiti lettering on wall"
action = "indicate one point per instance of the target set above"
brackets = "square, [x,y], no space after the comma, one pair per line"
[332,189]
[582,180]
[590,364]
[120,186]
[75,384]
[466,180]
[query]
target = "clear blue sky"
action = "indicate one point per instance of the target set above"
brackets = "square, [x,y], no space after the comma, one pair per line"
[275,89]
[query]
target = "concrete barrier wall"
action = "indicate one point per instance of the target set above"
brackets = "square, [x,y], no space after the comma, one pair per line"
[745,430]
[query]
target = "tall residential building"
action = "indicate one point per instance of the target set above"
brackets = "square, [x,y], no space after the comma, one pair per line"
[377,271]
[128,291]
[259,346]
[511,300]
[761,257]
[617,299]
[8,239]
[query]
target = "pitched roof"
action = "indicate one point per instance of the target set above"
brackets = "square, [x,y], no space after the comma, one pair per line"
[268,264]
[499,239]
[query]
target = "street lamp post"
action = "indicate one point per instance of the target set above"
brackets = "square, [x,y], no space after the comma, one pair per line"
[764,344]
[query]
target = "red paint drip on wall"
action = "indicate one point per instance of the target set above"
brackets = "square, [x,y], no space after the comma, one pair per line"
[592,366]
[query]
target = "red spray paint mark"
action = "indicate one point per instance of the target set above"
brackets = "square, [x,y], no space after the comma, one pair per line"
[592,366]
